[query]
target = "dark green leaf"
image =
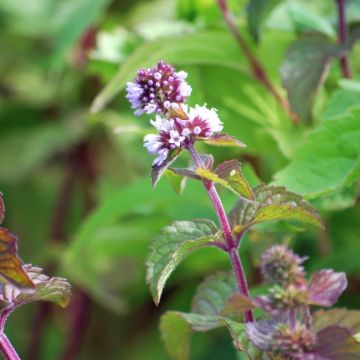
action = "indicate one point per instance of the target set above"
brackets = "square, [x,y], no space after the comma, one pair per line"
[174,243]
[304,69]
[272,203]
[257,12]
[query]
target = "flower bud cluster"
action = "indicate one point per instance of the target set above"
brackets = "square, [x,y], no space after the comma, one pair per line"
[288,331]
[164,91]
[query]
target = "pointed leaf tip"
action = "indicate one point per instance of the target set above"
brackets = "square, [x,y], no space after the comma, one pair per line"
[171,246]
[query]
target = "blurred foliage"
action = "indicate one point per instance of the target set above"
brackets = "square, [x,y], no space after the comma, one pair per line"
[76,182]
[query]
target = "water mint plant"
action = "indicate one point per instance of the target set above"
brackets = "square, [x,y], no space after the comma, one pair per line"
[284,328]
[21,284]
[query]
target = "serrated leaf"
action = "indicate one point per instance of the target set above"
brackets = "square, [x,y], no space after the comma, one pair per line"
[2,208]
[176,181]
[223,140]
[231,172]
[338,316]
[174,243]
[327,160]
[54,289]
[304,69]
[158,171]
[11,270]
[213,294]
[272,203]
[257,12]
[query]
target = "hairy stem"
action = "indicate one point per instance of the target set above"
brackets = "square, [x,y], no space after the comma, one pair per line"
[342,37]
[231,247]
[257,68]
[7,350]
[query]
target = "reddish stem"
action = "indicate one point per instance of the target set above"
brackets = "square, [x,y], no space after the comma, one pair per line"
[7,349]
[231,246]
[342,37]
[257,68]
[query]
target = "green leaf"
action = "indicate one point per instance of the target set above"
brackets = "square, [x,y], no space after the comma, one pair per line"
[11,269]
[174,243]
[307,21]
[223,140]
[158,171]
[186,173]
[191,49]
[176,181]
[272,203]
[231,172]
[213,293]
[327,160]
[257,12]
[54,289]
[176,329]
[304,69]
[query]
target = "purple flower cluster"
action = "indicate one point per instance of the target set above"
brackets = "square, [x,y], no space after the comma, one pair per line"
[287,332]
[163,90]
[159,89]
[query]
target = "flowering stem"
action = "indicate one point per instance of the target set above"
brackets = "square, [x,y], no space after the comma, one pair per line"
[342,37]
[231,246]
[257,68]
[7,350]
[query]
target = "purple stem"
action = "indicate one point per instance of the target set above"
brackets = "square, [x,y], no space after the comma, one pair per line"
[7,349]
[342,37]
[231,246]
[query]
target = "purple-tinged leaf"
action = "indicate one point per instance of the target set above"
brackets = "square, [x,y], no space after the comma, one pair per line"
[326,286]
[338,316]
[223,140]
[337,343]
[237,304]
[231,172]
[261,333]
[158,170]
[11,269]
[2,208]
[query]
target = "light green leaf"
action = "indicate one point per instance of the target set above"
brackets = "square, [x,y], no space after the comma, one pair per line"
[211,176]
[176,181]
[272,203]
[197,48]
[327,160]
[174,243]
[230,171]
[304,69]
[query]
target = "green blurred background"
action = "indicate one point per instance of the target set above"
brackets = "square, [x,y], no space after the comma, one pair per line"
[76,183]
